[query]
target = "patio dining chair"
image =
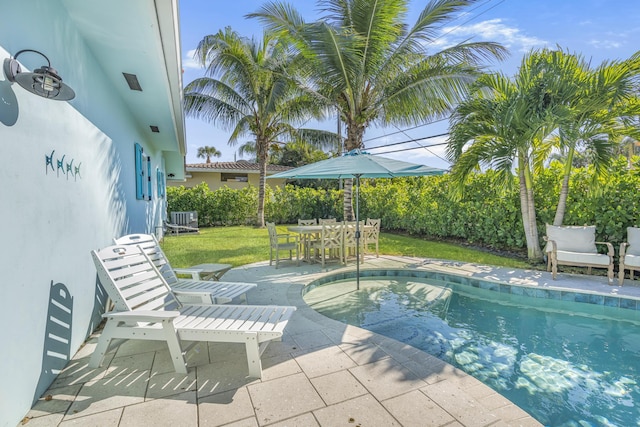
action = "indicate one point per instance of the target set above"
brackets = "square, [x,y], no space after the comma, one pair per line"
[350,241]
[282,242]
[330,243]
[306,239]
[372,234]
[322,221]
[311,221]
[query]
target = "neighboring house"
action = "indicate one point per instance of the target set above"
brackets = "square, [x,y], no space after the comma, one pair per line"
[77,173]
[232,174]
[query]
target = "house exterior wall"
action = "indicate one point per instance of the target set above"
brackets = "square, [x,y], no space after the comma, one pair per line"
[214,181]
[52,216]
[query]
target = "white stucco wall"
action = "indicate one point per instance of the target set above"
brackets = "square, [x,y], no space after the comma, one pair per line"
[50,220]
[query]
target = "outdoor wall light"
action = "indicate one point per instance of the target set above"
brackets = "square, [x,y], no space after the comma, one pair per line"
[43,81]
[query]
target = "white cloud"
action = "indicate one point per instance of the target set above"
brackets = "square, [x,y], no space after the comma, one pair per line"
[490,30]
[189,62]
[605,44]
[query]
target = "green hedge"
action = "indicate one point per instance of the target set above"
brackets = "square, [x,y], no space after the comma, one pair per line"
[486,215]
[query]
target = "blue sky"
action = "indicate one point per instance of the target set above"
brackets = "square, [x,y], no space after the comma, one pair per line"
[597,29]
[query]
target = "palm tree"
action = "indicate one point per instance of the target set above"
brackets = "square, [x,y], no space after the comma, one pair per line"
[247,90]
[500,126]
[207,152]
[362,59]
[593,104]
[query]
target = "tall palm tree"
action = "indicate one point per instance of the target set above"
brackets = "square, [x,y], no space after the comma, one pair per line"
[500,126]
[362,59]
[593,106]
[207,152]
[247,90]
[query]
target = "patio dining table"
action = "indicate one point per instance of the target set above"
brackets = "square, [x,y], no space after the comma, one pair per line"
[310,232]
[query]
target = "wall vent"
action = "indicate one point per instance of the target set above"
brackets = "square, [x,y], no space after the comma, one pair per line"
[132,81]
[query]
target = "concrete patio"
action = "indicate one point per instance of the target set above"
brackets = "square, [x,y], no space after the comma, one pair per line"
[323,373]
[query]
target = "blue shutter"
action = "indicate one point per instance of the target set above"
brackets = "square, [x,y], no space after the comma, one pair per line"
[149,177]
[139,173]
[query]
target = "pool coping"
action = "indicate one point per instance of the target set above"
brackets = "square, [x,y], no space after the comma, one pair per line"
[560,294]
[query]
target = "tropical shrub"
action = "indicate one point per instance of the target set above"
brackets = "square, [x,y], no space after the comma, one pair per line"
[487,215]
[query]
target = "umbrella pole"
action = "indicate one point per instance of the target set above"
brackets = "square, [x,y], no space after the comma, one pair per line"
[357,232]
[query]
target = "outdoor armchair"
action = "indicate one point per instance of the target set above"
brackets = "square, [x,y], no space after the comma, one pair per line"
[630,254]
[576,246]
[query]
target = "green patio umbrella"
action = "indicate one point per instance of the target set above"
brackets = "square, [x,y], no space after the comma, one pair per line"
[358,164]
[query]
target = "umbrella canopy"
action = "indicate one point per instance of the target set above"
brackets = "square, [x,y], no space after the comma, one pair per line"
[357,164]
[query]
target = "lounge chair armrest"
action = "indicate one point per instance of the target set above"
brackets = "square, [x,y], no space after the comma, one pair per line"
[142,315]
[610,251]
[206,297]
[195,274]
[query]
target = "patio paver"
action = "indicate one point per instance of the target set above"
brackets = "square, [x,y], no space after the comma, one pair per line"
[323,373]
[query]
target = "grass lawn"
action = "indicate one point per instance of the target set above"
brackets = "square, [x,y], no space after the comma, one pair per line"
[244,245]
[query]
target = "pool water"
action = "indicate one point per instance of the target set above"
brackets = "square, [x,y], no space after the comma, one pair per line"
[565,363]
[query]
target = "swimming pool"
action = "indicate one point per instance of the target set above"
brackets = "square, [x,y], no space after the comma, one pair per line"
[566,363]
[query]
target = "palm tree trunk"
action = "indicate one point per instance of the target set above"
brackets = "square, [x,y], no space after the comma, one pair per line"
[347,207]
[262,161]
[564,189]
[528,211]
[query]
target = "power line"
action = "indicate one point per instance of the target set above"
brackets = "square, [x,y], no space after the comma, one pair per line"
[410,140]
[434,154]
[468,20]
[426,147]
[400,131]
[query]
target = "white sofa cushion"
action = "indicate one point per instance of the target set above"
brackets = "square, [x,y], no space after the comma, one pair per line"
[581,239]
[632,261]
[583,258]
[633,238]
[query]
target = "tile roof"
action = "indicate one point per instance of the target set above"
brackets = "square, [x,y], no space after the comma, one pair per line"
[239,166]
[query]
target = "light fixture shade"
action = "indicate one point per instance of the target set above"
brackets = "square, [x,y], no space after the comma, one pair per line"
[43,81]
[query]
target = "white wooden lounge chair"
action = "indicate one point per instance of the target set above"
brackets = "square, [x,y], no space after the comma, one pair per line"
[204,291]
[146,308]
[170,228]
[629,254]
[576,246]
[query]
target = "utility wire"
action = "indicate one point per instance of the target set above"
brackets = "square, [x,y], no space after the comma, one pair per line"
[409,140]
[416,148]
[402,130]
[467,21]
[441,158]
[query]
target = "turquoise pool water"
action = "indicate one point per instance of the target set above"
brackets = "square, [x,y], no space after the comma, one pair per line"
[566,363]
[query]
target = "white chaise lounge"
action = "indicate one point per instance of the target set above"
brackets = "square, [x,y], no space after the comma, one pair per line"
[630,254]
[576,246]
[210,292]
[146,308]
